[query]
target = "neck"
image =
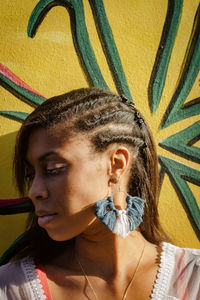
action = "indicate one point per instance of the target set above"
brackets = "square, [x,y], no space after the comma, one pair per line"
[110,263]
[109,256]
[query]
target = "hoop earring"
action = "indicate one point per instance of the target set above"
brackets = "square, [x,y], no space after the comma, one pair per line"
[120,221]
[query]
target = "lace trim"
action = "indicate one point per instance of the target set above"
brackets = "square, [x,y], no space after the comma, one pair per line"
[32,279]
[167,261]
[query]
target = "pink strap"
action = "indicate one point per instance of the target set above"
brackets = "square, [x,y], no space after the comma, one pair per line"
[43,280]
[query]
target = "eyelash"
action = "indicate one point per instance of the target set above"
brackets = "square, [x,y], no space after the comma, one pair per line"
[48,172]
[54,171]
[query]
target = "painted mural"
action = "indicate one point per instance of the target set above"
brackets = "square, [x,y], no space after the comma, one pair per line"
[102,44]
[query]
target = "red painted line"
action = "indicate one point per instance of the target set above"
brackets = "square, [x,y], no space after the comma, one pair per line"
[8,202]
[11,76]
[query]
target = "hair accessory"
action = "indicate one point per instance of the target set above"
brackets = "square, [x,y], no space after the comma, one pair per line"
[120,222]
[137,116]
[138,119]
[143,146]
[127,102]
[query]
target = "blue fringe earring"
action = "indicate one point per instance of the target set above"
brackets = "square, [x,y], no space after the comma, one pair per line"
[120,222]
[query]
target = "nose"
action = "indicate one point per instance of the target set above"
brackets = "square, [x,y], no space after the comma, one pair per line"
[37,190]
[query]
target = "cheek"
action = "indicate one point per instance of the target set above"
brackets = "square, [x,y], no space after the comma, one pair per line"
[83,188]
[68,227]
[74,197]
[93,183]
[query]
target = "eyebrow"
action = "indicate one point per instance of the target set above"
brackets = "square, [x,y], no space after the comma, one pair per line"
[42,157]
[45,155]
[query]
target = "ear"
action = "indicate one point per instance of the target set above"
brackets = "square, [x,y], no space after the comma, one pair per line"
[119,162]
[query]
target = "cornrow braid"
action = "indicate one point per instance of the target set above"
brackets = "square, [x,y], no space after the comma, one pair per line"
[51,114]
[106,119]
[111,113]
[103,140]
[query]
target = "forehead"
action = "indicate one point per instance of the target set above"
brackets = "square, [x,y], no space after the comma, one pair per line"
[58,140]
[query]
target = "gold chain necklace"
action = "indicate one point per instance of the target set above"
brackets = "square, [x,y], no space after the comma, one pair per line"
[128,286]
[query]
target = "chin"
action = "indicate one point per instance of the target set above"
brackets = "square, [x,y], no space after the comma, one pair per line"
[58,237]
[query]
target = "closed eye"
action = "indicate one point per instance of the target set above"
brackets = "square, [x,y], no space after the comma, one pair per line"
[55,171]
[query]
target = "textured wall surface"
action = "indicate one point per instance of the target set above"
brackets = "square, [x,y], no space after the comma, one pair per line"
[148,50]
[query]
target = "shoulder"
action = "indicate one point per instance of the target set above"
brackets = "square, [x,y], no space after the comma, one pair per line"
[182,257]
[178,275]
[14,279]
[188,264]
[185,270]
[10,272]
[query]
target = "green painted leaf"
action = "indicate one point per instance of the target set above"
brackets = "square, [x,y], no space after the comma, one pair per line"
[181,142]
[14,115]
[179,174]
[21,93]
[109,46]
[159,72]
[191,109]
[161,177]
[190,69]
[80,35]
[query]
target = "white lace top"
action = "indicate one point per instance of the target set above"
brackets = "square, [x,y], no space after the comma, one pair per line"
[178,277]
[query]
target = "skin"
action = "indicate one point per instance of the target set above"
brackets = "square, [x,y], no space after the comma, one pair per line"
[67,178]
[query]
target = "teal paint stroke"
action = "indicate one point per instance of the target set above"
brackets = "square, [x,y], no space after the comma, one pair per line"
[15,247]
[160,68]
[161,178]
[14,115]
[179,174]
[110,49]
[20,92]
[176,111]
[80,36]
[181,143]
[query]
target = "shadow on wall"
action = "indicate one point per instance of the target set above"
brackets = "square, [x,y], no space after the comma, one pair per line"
[11,226]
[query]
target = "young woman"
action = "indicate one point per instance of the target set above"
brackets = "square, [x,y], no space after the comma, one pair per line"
[87,161]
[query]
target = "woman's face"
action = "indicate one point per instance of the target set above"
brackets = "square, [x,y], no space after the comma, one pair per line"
[67,178]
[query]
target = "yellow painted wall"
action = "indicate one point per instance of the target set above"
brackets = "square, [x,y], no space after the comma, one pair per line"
[49,64]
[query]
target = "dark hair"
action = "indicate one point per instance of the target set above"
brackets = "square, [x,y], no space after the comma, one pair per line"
[106,118]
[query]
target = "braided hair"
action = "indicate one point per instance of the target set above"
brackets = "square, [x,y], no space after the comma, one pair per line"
[106,118]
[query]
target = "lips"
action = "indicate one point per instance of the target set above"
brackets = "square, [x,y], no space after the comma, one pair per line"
[45,218]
